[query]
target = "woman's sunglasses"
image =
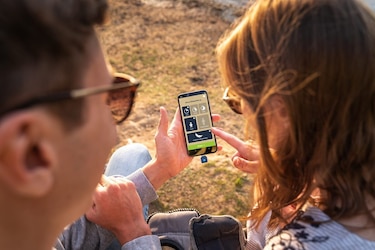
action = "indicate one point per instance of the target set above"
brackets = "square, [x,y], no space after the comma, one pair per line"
[120,96]
[232,100]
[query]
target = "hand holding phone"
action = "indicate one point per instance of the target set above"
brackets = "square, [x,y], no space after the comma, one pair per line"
[197,123]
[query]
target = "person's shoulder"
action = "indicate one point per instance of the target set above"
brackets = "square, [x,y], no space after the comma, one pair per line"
[313,229]
[305,229]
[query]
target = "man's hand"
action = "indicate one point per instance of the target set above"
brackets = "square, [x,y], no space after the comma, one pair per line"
[171,154]
[246,158]
[117,207]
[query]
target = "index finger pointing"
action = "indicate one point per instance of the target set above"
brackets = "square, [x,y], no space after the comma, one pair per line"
[229,138]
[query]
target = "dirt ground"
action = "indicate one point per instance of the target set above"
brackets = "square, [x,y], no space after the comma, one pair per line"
[170,47]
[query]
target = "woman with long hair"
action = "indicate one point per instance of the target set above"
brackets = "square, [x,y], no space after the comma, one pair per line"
[304,74]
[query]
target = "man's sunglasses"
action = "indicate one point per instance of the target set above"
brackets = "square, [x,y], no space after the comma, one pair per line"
[120,96]
[232,100]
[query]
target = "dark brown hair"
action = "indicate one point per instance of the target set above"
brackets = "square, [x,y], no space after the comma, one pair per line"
[319,57]
[45,47]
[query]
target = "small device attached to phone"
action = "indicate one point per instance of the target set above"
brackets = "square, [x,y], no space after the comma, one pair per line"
[197,123]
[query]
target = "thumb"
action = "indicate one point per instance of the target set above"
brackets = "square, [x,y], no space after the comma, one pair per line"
[104,181]
[245,165]
[163,122]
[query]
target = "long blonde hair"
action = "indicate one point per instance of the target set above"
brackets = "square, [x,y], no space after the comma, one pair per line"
[319,57]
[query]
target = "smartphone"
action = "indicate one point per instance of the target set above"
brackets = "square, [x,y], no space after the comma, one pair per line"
[197,123]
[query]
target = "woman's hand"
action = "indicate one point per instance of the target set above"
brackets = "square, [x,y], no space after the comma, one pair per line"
[246,158]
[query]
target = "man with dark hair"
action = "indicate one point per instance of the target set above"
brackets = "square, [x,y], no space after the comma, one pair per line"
[56,132]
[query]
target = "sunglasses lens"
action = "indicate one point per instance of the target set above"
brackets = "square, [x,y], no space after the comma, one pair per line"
[235,106]
[232,101]
[121,100]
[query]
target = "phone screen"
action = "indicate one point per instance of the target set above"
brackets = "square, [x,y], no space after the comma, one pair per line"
[197,123]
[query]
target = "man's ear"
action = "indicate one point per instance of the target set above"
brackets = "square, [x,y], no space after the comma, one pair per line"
[27,158]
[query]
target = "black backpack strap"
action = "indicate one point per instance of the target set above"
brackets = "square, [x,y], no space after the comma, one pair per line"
[172,227]
[218,232]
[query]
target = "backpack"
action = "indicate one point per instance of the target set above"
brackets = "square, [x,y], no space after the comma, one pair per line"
[187,229]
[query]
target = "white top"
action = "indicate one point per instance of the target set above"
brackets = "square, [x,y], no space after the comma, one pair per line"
[313,229]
